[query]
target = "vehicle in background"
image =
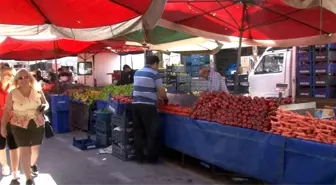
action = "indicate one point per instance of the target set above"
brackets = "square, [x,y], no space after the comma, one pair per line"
[275,66]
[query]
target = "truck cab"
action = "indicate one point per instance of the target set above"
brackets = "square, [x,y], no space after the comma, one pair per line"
[275,66]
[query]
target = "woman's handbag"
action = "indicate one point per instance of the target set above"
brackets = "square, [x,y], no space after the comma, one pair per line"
[49,132]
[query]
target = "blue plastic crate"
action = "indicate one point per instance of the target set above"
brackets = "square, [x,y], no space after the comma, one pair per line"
[103,127]
[123,121]
[332,80]
[305,68]
[103,140]
[321,80]
[332,68]
[125,153]
[321,68]
[59,103]
[305,80]
[60,122]
[304,56]
[321,93]
[332,46]
[124,136]
[101,104]
[304,91]
[117,107]
[103,116]
[195,74]
[320,46]
[84,144]
[324,92]
[332,55]
[320,55]
[171,89]
[184,88]
[93,118]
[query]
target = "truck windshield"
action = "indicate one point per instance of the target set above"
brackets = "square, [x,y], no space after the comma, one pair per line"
[272,63]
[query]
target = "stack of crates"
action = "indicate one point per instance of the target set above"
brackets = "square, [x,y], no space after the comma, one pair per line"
[304,71]
[60,106]
[122,136]
[103,129]
[324,70]
[183,83]
[194,62]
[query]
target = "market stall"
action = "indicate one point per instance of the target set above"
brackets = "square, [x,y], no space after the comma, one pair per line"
[266,156]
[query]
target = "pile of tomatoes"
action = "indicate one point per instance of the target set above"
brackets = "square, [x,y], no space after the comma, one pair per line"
[123,99]
[175,109]
[47,87]
[240,111]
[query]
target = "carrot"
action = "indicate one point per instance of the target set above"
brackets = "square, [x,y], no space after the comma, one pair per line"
[308,114]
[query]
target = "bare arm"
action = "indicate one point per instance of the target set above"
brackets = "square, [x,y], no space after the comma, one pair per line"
[160,89]
[44,101]
[162,93]
[7,110]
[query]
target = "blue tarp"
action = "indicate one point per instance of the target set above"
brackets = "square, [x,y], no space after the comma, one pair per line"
[264,156]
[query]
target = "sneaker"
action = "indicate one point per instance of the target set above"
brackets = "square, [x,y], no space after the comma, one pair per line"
[30,182]
[34,170]
[15,182]
[16,174]
[5,170]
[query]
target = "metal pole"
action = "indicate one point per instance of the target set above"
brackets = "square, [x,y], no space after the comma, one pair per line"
[57,80]
[241,31]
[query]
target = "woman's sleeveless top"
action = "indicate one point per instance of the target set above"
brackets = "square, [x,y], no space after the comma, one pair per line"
[25,109]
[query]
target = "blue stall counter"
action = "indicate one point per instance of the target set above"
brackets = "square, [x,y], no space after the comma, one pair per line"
[265,156]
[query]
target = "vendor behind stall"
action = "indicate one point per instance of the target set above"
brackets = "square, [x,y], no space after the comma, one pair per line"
[215,80]
[147,89]
[127,76]
[38,76]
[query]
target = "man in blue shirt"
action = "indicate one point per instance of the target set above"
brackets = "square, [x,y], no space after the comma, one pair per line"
[147,91]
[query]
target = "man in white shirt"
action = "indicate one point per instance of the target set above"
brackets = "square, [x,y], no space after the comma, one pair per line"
[215,80]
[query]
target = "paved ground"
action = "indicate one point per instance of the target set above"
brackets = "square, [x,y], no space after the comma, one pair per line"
[62,164]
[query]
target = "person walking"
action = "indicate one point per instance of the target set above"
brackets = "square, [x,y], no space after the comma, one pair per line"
[146,89]
[26,104]
[6,76]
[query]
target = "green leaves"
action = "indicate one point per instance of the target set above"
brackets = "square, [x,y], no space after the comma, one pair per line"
[122,90]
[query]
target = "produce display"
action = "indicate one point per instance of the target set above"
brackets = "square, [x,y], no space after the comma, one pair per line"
[86,96]
[241,111]
[290,124]
[121,90]
[47,87]
[175,109]
[123,99]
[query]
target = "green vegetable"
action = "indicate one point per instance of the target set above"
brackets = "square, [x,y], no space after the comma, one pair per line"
[122,90]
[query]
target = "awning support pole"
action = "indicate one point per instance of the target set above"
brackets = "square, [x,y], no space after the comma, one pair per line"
[241,31]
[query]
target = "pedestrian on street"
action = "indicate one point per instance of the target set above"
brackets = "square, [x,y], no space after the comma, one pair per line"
[24,109]
[6,77]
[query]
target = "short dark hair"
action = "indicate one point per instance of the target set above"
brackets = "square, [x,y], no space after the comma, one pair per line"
[126,67]
[5,64]
[150,60]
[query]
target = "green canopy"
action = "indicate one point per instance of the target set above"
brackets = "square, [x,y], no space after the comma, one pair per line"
[159,35]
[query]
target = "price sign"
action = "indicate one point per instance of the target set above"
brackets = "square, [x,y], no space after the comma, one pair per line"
[281,87]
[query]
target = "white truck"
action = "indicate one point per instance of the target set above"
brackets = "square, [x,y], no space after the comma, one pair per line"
[275,66]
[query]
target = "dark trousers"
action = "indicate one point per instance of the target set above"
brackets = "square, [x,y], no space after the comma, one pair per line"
[147,129]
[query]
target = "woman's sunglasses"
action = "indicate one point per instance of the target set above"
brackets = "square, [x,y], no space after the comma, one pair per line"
[23,77]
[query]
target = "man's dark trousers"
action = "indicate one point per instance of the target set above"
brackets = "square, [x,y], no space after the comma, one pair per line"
[147,131]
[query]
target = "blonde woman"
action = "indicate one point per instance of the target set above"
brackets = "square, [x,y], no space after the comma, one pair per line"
[6,77]
[27,104]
